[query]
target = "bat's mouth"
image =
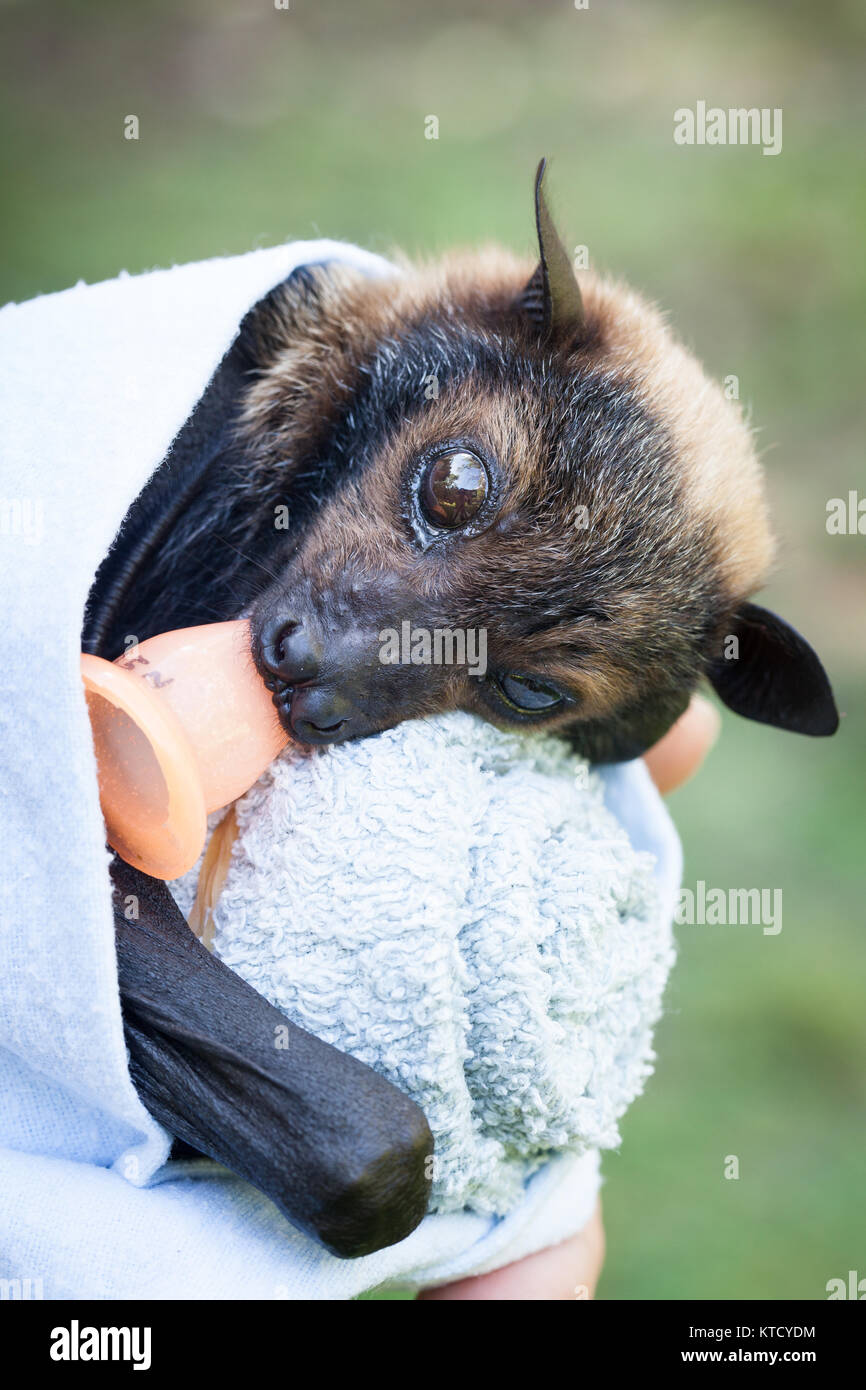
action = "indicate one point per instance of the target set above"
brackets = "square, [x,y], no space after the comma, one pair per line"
[304,714]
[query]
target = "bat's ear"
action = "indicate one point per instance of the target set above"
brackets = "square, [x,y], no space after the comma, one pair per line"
[771,674]
[551,300]
[292,308]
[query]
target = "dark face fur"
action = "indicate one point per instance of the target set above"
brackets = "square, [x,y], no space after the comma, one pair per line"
[493,458]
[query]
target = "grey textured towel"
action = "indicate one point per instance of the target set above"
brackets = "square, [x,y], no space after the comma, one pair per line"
[457,907]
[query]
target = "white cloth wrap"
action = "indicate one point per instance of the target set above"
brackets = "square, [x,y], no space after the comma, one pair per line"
[455,906]
[94,385]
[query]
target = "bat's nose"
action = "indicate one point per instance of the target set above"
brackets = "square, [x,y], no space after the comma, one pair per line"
[291,652]
[309,704]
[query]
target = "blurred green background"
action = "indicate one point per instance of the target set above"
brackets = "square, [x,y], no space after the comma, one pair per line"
[257,125]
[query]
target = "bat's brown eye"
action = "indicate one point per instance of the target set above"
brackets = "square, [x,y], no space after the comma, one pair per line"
[453,486]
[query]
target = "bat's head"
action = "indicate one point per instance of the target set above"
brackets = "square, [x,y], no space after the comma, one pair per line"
[507,493]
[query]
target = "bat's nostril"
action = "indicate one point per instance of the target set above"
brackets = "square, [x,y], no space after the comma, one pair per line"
[281,642]
[288,653]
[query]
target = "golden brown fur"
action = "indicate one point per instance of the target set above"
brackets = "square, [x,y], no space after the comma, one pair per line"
[315,343]
[622,530]
[715,452]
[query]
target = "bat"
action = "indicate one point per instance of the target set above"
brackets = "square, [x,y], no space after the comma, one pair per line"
[478,447]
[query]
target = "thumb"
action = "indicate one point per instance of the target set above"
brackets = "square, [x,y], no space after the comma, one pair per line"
[678,755]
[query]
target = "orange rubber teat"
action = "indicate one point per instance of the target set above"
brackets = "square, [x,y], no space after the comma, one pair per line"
[182,725]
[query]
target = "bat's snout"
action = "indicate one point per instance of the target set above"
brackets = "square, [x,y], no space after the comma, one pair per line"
[319,680]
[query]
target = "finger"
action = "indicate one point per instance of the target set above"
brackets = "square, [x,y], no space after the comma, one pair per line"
[678,755]
[560,1273]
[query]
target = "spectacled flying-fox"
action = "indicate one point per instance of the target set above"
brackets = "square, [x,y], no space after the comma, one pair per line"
[574,486]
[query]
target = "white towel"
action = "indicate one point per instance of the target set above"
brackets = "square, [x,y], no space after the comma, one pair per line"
[455,906]
[94,385]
